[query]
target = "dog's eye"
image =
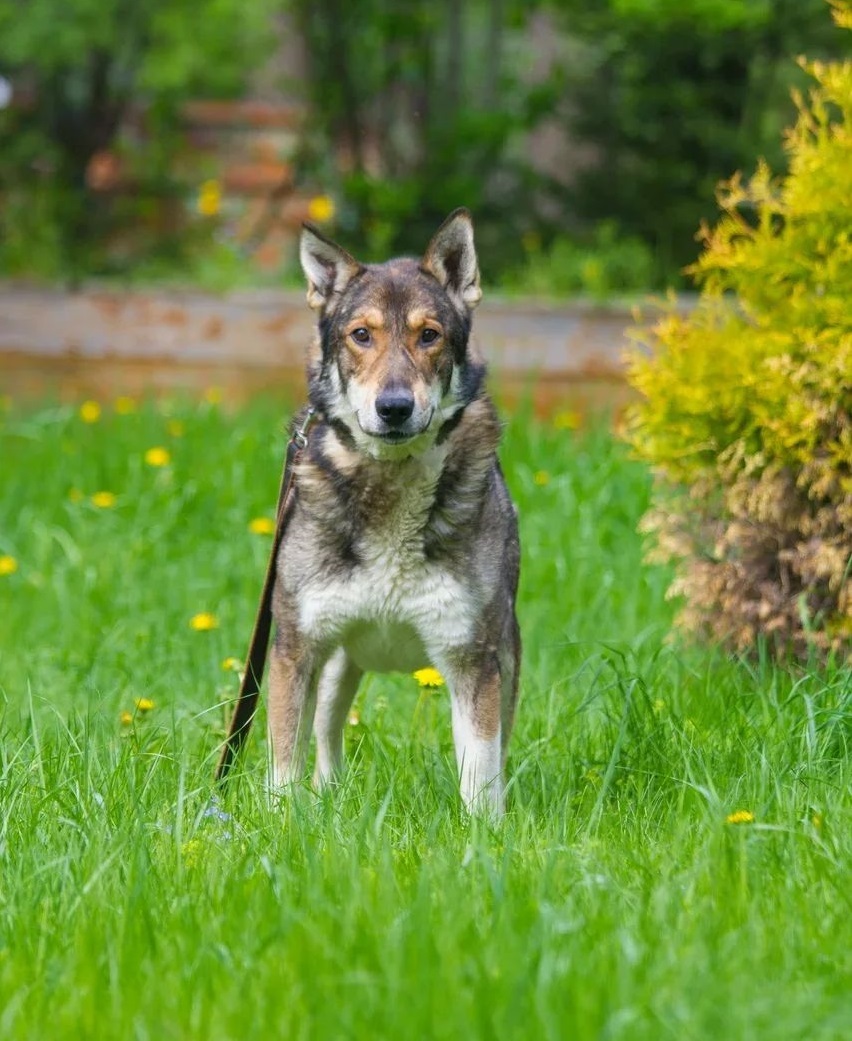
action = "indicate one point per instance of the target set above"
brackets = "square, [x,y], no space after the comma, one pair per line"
[429,336]
[361,335]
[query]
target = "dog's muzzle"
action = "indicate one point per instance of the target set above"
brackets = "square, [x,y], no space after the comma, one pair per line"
[394,408]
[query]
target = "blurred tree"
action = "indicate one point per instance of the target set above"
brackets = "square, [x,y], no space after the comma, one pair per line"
[79,65]
[676,94]
[415,110]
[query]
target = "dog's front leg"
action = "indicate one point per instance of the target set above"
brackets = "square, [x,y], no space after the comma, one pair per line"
[292,699]
[476,693]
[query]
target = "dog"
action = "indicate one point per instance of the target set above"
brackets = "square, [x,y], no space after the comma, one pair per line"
[401,548]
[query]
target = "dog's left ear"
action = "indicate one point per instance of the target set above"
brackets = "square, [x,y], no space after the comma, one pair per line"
[451,258]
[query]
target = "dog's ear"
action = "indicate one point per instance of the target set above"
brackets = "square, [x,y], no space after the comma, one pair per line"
[451,258]
[327,266]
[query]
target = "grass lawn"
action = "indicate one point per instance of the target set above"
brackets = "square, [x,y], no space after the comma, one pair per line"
[616,901]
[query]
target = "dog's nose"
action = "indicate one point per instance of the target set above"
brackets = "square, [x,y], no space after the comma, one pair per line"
[395,406]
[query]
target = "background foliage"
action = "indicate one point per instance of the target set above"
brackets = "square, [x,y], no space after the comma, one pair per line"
[674,96]
[84,70]
[413,109]
[747,412]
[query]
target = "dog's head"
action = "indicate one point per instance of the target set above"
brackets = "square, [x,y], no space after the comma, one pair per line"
[394,366]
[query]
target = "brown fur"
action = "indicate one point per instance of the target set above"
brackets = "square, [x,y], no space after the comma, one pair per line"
[402,547]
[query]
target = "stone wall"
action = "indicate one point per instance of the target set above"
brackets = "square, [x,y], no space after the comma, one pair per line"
[104,342]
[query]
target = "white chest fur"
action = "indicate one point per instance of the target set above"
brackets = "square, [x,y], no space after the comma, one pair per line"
[394,610]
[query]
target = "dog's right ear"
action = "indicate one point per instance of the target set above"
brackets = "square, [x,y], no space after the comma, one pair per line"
[327,266]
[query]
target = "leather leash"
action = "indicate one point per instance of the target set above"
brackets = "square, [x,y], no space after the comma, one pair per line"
[246,705]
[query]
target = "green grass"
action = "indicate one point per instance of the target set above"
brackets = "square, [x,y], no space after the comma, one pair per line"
[615,902]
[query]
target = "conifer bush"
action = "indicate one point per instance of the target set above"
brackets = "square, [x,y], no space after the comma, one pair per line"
[746,407]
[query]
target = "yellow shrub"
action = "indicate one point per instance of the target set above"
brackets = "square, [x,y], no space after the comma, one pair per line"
[746,411]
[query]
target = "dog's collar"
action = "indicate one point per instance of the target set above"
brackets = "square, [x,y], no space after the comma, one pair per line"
[299,437]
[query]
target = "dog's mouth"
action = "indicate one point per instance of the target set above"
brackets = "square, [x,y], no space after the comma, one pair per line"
[393,436]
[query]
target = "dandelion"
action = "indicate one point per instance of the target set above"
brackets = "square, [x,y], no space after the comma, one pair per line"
[232,665]
[103,500]
[175,428]
[541,478]
[213,395]
[209,198]
[204,622]
[126,718]
[191,852]
[429,678]
[321,208]
[90,412]
[124,406]
[740,817]
[262,526]
[8,565]
[567,420]
[158,456]
[143,704]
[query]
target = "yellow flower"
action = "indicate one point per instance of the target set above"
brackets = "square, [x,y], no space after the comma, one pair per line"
[232,665]
[74,495]
[191,852]
[541,478]
[90,412]
[175,427]
[740,817]
[143,704]
[209,199]
[124,406]
[126,718]
[321,208]
[103,500]
[262,526]
[816,820]
[213,395]
[8,565]
[204,622]
[429,677]
[567,420]
[158,456]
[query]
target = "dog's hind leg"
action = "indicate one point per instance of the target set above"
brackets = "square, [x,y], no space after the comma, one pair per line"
[510,667]
[338,684]
[292,697]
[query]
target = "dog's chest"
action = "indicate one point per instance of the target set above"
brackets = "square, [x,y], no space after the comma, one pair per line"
[393,605]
